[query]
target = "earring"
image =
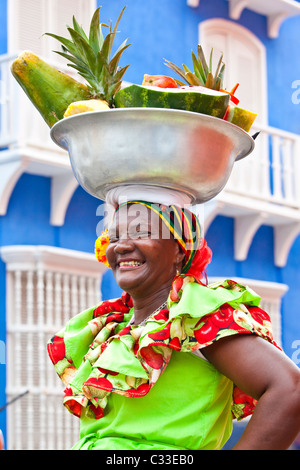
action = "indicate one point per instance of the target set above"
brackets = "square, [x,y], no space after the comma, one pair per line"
[177,272]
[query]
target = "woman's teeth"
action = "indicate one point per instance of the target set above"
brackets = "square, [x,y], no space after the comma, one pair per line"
[130,263]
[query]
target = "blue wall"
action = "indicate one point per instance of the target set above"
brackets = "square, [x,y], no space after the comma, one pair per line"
[159,30]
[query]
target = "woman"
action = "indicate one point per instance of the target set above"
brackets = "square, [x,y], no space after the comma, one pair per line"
[165,366]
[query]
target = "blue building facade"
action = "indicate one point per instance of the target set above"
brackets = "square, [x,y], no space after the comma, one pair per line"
[170,29]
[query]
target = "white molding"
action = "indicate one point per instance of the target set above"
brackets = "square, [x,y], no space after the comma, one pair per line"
[274,22]
[245,227]
[193,3]
[31,160]
[49,258]
[276,11]
[62,190]
[236,8]
[12,167]
[284,237]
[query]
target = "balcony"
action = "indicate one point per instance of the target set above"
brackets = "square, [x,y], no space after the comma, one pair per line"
[262,189]
[276,11]
[26,146]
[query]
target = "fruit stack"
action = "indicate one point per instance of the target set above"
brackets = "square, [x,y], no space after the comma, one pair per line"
[56,95]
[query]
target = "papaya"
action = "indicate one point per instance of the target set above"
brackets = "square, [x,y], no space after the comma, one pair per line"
[50,90]
[189,98]
[240,117]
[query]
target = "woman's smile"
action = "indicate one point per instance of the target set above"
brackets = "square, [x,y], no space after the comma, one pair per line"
[129,264]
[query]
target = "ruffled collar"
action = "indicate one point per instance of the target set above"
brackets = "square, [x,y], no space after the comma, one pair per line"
[99,353]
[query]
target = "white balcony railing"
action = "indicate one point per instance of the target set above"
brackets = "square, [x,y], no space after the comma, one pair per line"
[272,171]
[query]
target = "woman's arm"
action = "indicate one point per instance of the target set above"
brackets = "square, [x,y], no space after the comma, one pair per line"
[268,375]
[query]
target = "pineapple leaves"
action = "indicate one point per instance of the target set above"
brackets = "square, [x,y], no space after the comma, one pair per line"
[90,56]
[203,74]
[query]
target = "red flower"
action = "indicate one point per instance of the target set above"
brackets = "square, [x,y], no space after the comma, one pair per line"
[152,358]
[223,317]
[258,314]
[56,349]
[201,260]
[207,332]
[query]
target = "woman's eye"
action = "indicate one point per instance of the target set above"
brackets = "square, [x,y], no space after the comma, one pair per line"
[138,235]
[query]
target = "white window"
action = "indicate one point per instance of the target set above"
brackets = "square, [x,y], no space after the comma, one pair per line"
[28,20]
[45,287]
[245,58]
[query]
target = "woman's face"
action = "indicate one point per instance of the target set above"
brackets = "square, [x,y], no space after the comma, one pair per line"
[142,254]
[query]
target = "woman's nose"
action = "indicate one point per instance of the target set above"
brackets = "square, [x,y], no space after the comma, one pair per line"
[124,245]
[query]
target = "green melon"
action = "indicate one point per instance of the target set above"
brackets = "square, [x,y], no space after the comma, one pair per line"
[197,99]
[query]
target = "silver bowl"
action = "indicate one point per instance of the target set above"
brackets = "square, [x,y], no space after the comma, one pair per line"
[190,152]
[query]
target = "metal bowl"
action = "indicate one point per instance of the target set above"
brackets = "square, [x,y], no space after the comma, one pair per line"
[190,152]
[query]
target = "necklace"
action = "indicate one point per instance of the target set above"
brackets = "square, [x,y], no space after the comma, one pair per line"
[163,305]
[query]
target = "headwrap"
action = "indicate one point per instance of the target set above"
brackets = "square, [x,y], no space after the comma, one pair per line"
[184,226]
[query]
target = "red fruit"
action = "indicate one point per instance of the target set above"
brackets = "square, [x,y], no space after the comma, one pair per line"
[97,410]
[114,317]
[126,299]
[141,390]
[162,315]
[56,349]
[106,371]
[162,334]
[175,344]
[206,333]
[101,382]
[152,358]
[159,80]
[124,331]
[223,317]
[258,314]
[74,407]
[176,286]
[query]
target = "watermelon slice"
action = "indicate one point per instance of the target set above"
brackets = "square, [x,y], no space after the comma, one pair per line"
[189,98]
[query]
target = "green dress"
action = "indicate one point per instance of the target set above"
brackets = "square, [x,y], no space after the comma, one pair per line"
[143,388]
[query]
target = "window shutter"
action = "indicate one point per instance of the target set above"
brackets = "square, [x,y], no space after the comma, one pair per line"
[245,59]
[26,20]
[30,19]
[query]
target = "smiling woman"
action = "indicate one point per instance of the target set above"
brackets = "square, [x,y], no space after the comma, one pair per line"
[170,363]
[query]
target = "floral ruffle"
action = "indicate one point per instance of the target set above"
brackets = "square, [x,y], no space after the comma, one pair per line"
[98,353]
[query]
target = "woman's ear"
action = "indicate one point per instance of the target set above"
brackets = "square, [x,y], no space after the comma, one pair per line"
[179,256]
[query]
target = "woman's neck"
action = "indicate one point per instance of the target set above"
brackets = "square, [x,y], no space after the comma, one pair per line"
[144,307]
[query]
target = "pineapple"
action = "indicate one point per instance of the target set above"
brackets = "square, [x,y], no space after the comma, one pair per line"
[91,57]
[203,74]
